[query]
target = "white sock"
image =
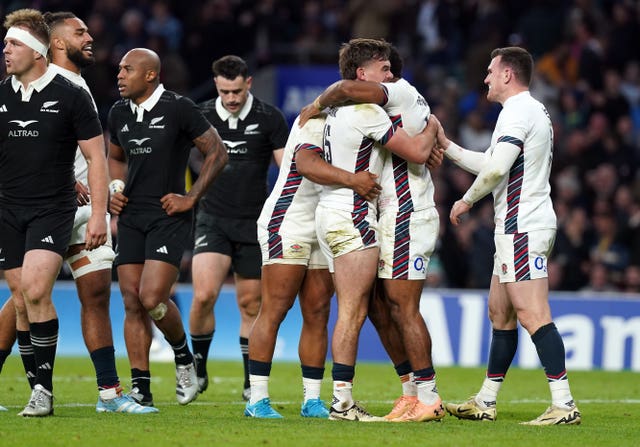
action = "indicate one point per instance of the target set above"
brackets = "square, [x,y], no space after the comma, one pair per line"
[488,393]
[409,387]
[561,394]
[259,388]
[311,388]
[342,397]
[427,392]
[108,393]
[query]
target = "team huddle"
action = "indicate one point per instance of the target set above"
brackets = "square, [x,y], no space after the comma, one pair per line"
[352,213]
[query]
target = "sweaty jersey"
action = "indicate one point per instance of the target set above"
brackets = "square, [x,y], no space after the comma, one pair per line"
[39,133]
[522,200]
[156,144]
[240,189]
[294,197]
[352,138]
[406,186]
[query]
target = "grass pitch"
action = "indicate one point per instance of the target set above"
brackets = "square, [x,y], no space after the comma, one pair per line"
[609,401]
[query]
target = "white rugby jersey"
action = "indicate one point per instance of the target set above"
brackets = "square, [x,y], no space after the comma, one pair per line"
[522,200]
[352,138]
[294,197]
[80,166]
[406,186]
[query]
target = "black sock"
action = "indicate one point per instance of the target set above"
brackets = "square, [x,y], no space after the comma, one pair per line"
[550,349]
[27,355]
[403,368]
[104,363]
[44,339]
[312,372]
[259,368]
[142,380]
[200,345]
[3,356]
[503,348]
[342,372]
[244,348]
[181,351]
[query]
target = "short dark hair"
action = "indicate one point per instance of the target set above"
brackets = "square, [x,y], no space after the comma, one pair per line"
[519,60]
[54,19]
[396,62]
[358,52]
[230,67]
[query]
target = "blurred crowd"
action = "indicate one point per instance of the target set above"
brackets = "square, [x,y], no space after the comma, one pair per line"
[587,56]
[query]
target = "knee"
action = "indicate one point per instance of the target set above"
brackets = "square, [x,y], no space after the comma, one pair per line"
[158,312]
[316,314]
[249,306]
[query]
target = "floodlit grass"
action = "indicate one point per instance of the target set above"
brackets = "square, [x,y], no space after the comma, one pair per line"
[609,401]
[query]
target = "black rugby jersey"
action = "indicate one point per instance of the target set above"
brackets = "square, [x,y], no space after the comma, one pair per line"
[239,191]
[38,141]
[157,148]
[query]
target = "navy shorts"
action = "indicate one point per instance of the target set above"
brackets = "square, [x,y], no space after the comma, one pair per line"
[152,235]
[237,238]
[25,229]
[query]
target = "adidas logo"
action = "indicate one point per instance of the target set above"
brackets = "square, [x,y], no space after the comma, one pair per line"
[48,240]
[45,365]
[3,108]
[163,249]
[125,128]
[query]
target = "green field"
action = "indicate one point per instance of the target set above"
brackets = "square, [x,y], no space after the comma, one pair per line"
[609,401]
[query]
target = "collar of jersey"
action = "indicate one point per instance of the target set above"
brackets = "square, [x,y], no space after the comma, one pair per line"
[150,102]
[517,95]
[37,84]
[70,75]
[224,114]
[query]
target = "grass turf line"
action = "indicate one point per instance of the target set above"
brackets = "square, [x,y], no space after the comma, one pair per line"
[609,401]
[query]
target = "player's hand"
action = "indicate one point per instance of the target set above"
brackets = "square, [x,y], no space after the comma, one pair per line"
[365,185]
[443,141]
[435,158]
[176,203]
[457,210]
[117,202]
[96,234]
[307,112]
[82,194]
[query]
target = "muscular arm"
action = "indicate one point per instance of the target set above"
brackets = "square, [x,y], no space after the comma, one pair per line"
[470,161]
[494,170]
[343,91]
[117,170]
[414,149]
[312,166]
[93,151]
[277,156]
[215,156]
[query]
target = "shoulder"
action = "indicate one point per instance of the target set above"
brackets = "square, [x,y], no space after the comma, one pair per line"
[264,108]
[208,106]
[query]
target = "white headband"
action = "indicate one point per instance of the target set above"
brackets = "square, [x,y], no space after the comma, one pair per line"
[26,38]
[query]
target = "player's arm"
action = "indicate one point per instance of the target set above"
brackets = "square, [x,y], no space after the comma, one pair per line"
[415,149]
[342,91]
[215,156]
[117,171]
[93,151]
[470,161]
[492,173]
[311,164]
[277,156]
